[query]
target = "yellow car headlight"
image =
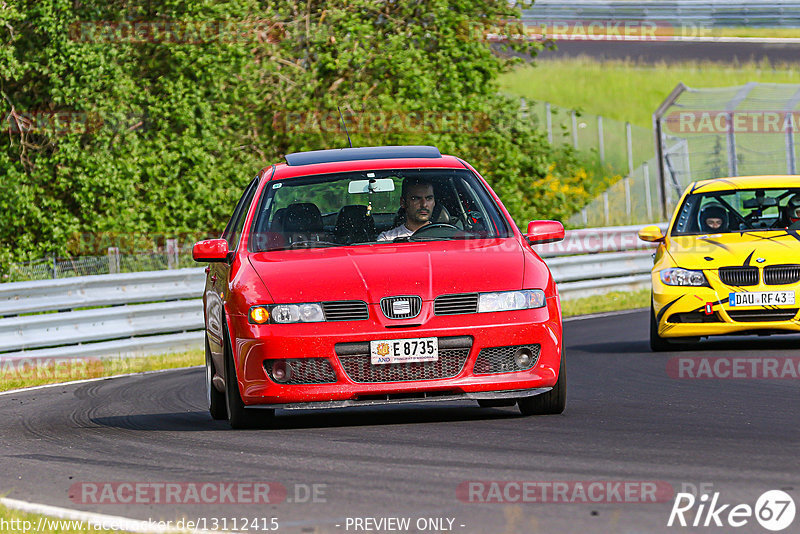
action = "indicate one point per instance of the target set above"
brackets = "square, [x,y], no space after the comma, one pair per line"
[676,276]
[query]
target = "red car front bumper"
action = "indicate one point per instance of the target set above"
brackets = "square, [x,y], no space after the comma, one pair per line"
[253,345]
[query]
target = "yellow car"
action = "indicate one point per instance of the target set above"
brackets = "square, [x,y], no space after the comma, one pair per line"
[729,263]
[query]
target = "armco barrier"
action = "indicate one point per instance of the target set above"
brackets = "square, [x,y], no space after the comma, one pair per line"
[593,261]
[161,311]
[102,315]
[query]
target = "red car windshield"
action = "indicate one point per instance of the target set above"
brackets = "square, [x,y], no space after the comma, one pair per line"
[366,207]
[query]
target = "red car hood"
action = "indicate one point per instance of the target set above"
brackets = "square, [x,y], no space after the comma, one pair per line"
[371,272]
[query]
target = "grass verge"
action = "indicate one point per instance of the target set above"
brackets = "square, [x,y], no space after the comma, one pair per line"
[779,33]
[14,521]
[614,301]
[28,373]
[628,90]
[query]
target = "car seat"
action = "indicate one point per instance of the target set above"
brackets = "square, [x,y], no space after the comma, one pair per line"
[354,225]
[303,217]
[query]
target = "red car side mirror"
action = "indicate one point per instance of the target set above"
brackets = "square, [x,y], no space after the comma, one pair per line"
[540,232]
[210,250]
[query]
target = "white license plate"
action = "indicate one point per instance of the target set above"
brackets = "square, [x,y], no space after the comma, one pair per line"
[761,298]
[423,349]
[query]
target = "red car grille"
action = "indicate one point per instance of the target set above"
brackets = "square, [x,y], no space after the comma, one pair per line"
[303,371]
[501,359]
[356,361]
[412,306]
[345,310]
[456,304]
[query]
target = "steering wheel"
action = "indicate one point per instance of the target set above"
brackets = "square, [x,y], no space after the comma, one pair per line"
[432,226]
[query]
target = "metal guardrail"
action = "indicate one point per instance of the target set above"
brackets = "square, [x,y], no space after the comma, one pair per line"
[99,290]
[711,13]
[102,315]
[160,311]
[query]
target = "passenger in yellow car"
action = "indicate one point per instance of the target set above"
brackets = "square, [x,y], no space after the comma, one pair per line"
[793,211]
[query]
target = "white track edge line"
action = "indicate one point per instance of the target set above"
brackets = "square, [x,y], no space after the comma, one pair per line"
[92,518]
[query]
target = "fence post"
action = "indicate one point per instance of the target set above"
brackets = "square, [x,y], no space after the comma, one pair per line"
[55,270]
[113,260]
[605,208]
[574,129]
[549,119]
[172,253]
[585,217]
[628,198]
[629,139]
[733,167]
[600,143]
[647,194]
[791,165]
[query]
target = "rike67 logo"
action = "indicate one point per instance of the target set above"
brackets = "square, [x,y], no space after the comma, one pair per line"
[774,510]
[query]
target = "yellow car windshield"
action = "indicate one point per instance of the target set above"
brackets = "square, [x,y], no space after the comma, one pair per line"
[740,210]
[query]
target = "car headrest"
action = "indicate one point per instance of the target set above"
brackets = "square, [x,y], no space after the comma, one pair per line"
[354,224]
[278,219]
[302,217]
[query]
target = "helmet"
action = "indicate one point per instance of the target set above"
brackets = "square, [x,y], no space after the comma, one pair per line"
[713,211]
[791,209]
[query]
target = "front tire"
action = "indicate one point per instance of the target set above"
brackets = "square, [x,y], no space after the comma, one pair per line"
[657,343]
[215,399]
[551,403]
[239,416]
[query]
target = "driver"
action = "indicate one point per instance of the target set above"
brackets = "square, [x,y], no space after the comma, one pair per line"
[417,200]
[793,210]
[713,218]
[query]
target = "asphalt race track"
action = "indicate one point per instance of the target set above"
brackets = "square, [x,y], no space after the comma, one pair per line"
[626,420]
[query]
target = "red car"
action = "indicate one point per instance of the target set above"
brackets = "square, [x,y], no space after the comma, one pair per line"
[378,275]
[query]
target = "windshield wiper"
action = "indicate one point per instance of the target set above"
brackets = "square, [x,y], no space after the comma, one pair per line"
[306,244]
[411,238]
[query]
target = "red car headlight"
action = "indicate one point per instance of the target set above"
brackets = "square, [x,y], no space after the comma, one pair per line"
[287,313]
[511,300]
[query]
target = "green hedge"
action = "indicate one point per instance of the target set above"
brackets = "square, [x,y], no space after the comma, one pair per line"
[127,121]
